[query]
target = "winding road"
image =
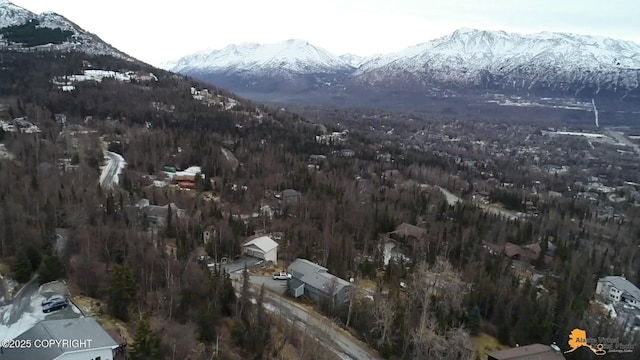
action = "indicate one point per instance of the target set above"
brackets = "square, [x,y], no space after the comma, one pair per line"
[110,172]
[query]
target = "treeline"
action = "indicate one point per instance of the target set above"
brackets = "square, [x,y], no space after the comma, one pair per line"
[30,34]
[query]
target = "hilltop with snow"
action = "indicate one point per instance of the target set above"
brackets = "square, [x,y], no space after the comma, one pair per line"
[75,38]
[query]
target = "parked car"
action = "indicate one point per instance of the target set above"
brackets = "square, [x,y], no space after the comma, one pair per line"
[281,276]
[55,305]
[52,299]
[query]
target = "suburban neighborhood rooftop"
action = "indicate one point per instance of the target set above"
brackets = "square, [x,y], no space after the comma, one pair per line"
[64,329]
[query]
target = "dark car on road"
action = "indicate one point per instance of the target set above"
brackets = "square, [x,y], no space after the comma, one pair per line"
[55,304]
[52,299]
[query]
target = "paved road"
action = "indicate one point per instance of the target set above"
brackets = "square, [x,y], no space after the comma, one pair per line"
[453,199]
[334,338]
[109,176]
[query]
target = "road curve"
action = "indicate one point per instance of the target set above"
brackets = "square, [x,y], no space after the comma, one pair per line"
[110,172]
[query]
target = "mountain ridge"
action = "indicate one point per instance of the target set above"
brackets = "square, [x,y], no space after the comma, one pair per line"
[544,63]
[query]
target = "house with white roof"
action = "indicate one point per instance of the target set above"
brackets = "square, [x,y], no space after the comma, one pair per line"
[618,289]
[262,247]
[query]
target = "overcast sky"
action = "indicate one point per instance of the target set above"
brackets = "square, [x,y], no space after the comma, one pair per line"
[157,31]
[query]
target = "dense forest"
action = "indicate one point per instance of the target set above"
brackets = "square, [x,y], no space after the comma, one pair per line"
[31,34]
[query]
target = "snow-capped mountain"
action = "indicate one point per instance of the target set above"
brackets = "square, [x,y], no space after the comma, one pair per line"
[483,62]
[11,14]
[473,57]
[288,57]
[78,40]
[351,59]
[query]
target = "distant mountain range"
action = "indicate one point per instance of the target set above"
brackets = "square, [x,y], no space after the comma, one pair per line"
[21,29]
[493,65]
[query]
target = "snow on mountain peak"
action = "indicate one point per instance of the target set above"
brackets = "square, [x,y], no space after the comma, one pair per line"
[80,40]
[293,56]
[11,14]
[467,55]
[351,59]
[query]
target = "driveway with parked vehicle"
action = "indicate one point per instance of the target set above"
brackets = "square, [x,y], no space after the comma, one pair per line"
[277,286]
[26,308]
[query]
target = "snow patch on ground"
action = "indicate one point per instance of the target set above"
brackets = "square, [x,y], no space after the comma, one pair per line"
[27,320]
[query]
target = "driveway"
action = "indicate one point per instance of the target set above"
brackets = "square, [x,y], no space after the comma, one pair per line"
[331,336]
[277,286]
[25,310]
[239,264]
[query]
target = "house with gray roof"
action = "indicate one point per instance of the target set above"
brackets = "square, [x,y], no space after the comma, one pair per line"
[155,215]
[65,339]
[290,196]
[314,281]
[618,289]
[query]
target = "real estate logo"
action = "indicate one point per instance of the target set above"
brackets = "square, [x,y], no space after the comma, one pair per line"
[599,346]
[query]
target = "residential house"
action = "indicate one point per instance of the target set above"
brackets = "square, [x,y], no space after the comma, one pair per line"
[145,76]
[317,159]
[155,215]
[529,352]
[408,233]
[262,247]
[618,289]
[187,178]
[290,196]
[525,253]
[317,283]
[80,338]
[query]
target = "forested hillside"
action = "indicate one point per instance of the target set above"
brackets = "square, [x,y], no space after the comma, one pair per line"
[427,305]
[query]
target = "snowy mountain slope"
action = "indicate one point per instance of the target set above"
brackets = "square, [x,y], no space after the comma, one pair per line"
[351,59]
[468,57]
[80,40]
[288,57]
[11,14]
[467,62]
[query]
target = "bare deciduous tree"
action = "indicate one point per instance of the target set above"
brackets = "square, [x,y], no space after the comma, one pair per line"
[384,314]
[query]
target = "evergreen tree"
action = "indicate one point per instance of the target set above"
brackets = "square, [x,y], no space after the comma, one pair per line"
[122,291]
[146,345]
[228,295]
[245,301]
[170,229]
[22,269]
[475,320]
[207,324]
[34,257]
[261,330]
[51,269]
